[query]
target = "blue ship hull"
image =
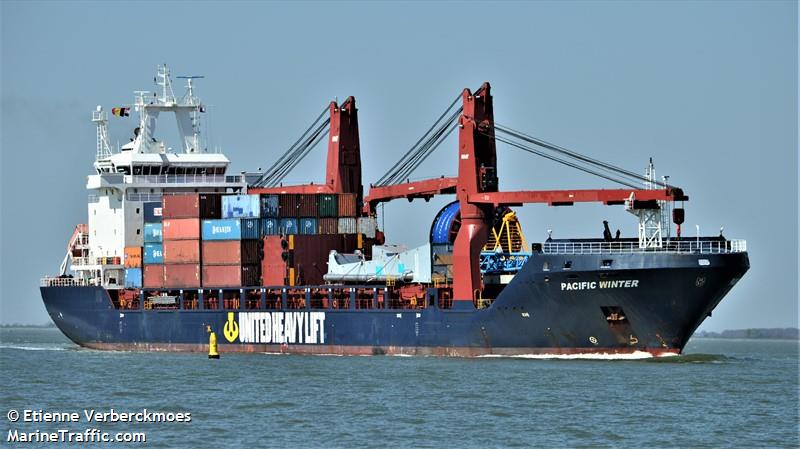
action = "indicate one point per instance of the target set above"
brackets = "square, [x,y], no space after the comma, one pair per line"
[556,304]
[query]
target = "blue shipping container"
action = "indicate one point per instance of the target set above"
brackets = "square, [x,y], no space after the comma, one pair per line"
[269,205]
[250,228]
[133,278]
[153,233]
[225,229]
[308,226]
[288,226]
[153,253]
[269,226]
[152,212]
[241,206]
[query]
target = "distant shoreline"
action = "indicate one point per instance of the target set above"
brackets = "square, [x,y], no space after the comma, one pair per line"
[785,333]
[49,325]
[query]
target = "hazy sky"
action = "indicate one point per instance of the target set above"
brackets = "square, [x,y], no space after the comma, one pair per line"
[708,89]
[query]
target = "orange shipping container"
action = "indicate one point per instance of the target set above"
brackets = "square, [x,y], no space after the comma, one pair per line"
[181,229]
[133,257]
[181,206]
[182,276]
[273,267]
[181,251]
[347,205]
[222,252]
[222,276]
[154,276]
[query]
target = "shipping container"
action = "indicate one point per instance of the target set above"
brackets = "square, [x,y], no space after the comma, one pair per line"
[311,256]
[328,225]
[153,253]
[347,225]
[210,205]
[216,276]
[241,206]
[273,267]
[225,229]
[347,205]
[181,251]
[222,252]
[181,206]
[152,212]
[287,205]
[328,205]
[252,251]
[153,232]
[251,275]
[153,276]
[222,276]
[288,226]
[308,226]
[133,257]
[182,275]
[133,278]
[269,226]
[367,226]
[250,228]
[307,205]
[269,206]
[181,228]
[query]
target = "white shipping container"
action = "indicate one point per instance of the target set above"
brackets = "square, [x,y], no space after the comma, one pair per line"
[367,226]
[347,225]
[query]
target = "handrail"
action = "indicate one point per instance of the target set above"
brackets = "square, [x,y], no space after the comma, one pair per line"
[183,179]
[681,247]
[66,282]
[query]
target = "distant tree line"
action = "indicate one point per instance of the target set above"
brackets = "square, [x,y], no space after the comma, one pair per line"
[786,333]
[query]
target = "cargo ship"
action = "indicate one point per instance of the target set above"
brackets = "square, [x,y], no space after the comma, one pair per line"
[176,247]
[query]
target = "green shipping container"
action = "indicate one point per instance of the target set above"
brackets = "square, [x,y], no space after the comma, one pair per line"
[328,205]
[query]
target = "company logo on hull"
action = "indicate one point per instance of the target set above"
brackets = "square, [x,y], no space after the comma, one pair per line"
[594,285]
[231,328]
[277,327]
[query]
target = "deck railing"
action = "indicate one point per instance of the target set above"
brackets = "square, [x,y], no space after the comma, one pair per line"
[65,282]
[682,246]
[183,179]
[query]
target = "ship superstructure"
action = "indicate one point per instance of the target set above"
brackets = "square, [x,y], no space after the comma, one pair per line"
[142,171]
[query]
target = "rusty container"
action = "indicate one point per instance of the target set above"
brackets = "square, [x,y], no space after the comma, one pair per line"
[287,205]
[181,251]
[133,257]
[181,229]
[347,205]
[328,226]
[252,252]
[210,205]
[153,276]
[182,275]
[181,206]
[308,205]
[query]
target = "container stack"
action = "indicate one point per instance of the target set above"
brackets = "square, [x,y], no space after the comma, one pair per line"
[153,251]
[231,247]
[181,240]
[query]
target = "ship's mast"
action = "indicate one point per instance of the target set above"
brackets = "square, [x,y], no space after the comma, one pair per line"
[100,119]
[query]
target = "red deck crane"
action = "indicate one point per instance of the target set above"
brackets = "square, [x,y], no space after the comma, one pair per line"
[476,188]
[343,168]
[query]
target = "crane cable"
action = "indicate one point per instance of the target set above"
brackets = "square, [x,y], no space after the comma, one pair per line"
[296,150]
[423,147]
[573,154]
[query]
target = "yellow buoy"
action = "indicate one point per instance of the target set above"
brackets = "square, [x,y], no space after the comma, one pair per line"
[212,346]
